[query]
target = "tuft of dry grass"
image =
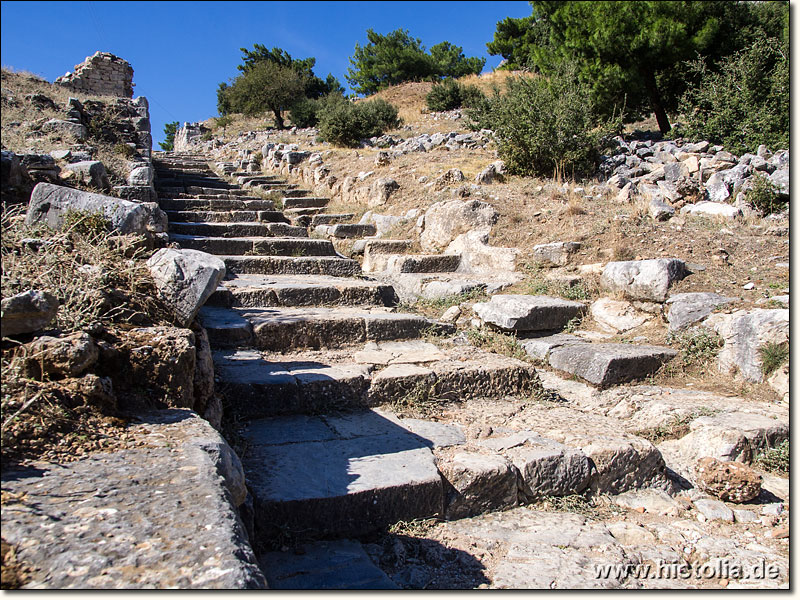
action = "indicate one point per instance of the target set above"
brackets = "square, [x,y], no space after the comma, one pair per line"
[96,276]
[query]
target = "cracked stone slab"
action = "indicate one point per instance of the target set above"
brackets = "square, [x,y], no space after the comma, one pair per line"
[159,515]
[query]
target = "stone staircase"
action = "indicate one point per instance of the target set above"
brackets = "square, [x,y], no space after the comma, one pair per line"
[306,349]
[317,367]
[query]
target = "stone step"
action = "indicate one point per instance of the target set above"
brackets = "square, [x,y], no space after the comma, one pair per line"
[234,229]
[605,364]
[283,329]
[203,182]
[330,219]
[338,475]
[224,216]
[404,372]
[249,178]
[413,263]
[335,266]
[277,246]
[345,230]
[215,204]
[295,193]
[222,196]
[297,213]
[304,202]
[305,290]
[199,190]
[327,565]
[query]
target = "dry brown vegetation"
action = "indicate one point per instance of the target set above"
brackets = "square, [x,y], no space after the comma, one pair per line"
[22,120]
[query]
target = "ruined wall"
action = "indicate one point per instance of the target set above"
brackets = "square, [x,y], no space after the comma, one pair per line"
[101,74]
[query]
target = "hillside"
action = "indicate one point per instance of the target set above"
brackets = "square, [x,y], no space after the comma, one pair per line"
[262,360]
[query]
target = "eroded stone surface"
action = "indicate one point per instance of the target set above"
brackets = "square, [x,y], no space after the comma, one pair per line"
[160,515]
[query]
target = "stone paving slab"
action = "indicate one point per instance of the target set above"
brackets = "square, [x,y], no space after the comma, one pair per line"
[157,515]
[269,246]
[347,481]
[306,290]
[327,565]
[610,364]
[237,229]
[291,265]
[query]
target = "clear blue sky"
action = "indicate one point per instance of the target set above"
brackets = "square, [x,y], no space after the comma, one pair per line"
[181,51]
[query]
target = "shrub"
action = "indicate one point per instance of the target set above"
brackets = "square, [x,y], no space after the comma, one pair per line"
[764,196]
[124,150]
[772,356]
[450,94]
[775,460]
[697,346]
[346,124]
[304,113]
[546,126]
[745,103]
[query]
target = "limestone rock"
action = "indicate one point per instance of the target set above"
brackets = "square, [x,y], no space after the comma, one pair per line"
[712,209]
[729,481]
[744,333]
[382,189]
[616,316]
[477,256]
[714,510]
[141,175]
[650,500]
[185,279]
[546,467]
[90,172]
[556,253]
[60,127]
[444,221]
[50,202]
[150,367]
[609,364]
[687,309]
[203,371]
[528,313]
[717,188]
[478,483]
[28,312]
[779,381]
[68,356]
[643,279]
[451,315]
[160,514]
[660,210]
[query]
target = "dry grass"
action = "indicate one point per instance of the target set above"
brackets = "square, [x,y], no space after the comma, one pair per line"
[22,121]
[96,276]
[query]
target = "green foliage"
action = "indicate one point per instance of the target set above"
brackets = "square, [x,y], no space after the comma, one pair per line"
[346,124]
[304,113]
[697,346]
[265,87]
[170,129]
[745,103]
[775,460]
[516,39]
[674,428]
[630,52]
[86,223]
[223,121]
[764,196]
[397,57]
[499,343]
[313,86]
[545,126]
[772,357]
[450,94]
[449,61]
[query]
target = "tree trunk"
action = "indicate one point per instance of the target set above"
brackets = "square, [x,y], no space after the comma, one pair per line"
[655,101]
[278,119]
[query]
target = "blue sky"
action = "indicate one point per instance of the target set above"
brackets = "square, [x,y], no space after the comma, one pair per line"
[181,51]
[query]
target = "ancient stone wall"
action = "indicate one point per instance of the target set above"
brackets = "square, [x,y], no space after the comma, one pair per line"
[101,74]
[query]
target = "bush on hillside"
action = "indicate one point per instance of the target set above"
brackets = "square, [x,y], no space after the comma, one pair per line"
[450,94]
[304,113]
[745,103]
[346,124]
[546,126]
[266,87]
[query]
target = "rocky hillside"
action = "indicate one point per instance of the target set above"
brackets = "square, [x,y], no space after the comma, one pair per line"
[396,366]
